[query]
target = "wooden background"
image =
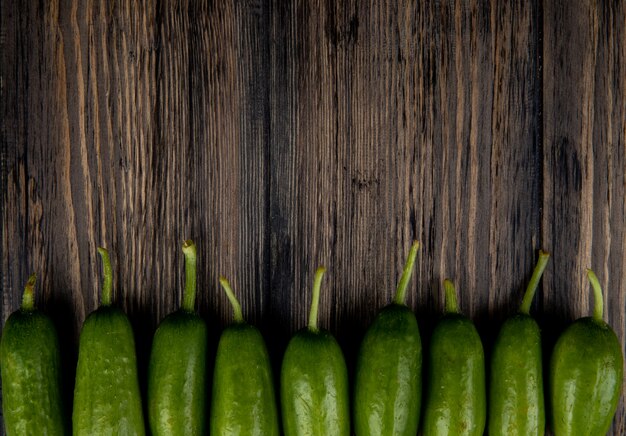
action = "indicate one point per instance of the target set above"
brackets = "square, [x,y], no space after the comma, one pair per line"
[284,135]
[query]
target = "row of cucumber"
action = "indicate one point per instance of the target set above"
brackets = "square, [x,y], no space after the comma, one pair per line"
[586,372]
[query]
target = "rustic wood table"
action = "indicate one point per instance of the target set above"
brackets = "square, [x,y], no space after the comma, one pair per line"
[285,135]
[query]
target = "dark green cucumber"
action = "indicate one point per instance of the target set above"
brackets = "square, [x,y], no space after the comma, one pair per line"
[177,367]
[30,364]
[456,399]
[388,384]
[516,406]
[243,400]
[586,374]
[106,395]
[314,380]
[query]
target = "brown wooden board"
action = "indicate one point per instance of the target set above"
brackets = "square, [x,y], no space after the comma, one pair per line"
[281,136]
[584,163]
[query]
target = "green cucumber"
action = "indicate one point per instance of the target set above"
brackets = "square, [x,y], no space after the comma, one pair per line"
[106,395]
[243,400]
[586,374]
[177,366]
[314,380]
[456,399]
[30,363]
[516,405]
[388,384]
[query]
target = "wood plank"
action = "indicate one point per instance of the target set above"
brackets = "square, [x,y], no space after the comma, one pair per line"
[143,127]
[13,208]
[391,123]
[140,122]
[13,187]
[584,161]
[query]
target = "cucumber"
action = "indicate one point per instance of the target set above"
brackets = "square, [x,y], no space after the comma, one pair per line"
[177,366]
[586,374]
[388,384]
[516,405]
[243,400]
[106,395]
[314,380]
[456,399]
[30,364]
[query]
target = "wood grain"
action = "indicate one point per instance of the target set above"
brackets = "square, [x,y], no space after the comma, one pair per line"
[285,135]
[584,163]
[380,137]
[141,127]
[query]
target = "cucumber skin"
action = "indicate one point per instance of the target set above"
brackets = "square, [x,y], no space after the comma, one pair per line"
[456,399]
[30,362]
[314,386]
[516,402]
[177,376]
[588,360]
[388,384]
[244,402]
[106,395]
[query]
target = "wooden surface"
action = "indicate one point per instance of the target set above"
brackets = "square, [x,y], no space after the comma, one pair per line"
[284,135]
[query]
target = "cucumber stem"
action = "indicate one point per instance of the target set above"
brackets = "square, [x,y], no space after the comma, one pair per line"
[107,280]
[451,304]
[28,297]
[189,295]
[403,284]
[598,309]
[315,300]
[534,282]
[237,315]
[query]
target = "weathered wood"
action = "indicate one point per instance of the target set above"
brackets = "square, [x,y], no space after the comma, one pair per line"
[584,163]
[284,135]
[13,129]
[141,127]
[394,123]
